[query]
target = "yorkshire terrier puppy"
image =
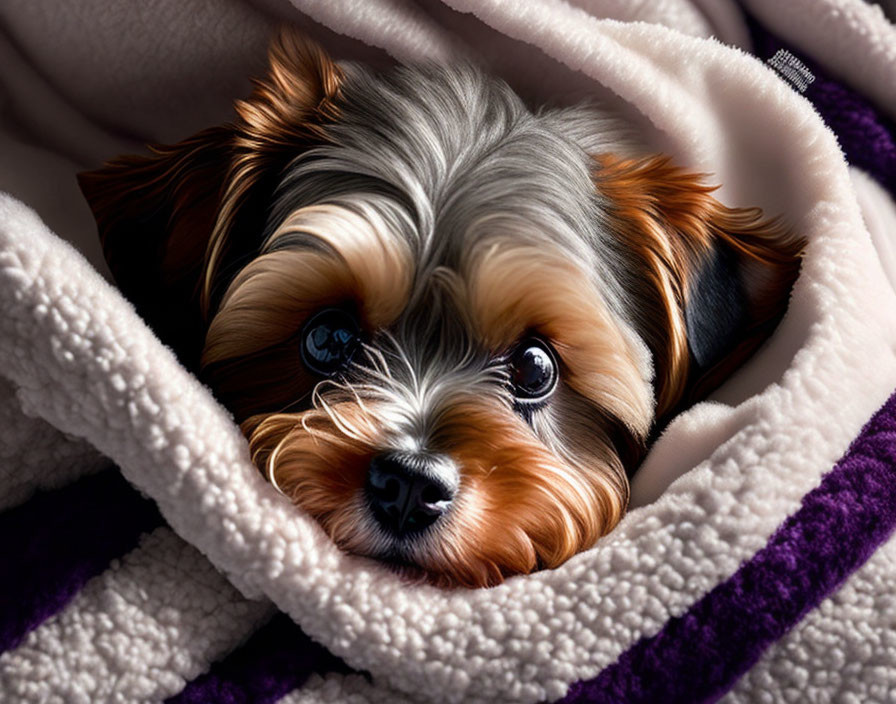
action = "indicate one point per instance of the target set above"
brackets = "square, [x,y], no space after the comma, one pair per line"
[446,323]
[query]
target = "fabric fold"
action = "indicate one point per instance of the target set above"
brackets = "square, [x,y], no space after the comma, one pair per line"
[745,531]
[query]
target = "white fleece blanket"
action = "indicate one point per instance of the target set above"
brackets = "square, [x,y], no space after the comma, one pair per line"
[82,377]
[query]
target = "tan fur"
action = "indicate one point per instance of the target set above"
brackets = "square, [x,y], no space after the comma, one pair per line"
[251,355]
[514,290]
[534,511]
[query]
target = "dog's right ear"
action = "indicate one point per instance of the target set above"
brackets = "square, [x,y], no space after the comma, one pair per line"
[171,223]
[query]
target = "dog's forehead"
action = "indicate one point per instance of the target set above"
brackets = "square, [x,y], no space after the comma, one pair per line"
[452,157]
[455,167]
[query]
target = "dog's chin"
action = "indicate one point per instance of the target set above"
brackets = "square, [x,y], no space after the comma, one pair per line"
[410,571]
[446,554]
[410,556]
[407,570]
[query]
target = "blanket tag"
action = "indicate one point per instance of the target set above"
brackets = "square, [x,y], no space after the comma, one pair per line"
[792,69]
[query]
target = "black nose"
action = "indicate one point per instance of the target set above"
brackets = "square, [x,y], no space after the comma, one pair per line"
[405,492]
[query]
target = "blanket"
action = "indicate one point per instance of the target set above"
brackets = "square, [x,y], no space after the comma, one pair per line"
[144,559]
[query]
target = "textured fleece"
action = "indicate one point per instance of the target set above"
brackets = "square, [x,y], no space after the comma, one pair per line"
[136,633]
[866,136]
[277,659]
[52,545]
[34,455]
[722,480]
[836,529]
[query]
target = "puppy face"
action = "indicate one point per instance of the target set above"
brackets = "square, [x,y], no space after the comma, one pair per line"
[445,323]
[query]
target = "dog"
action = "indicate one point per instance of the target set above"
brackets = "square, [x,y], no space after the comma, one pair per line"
[447,324]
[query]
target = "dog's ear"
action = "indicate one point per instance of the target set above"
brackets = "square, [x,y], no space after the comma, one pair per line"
[170,221]
[155,215]
[712,281]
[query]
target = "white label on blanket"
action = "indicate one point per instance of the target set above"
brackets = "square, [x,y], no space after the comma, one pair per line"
[792,69]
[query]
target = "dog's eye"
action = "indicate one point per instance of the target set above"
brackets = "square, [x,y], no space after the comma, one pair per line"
[533,370]
[329,340]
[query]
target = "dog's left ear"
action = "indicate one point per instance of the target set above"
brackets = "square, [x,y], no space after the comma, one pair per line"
[170,221]
[711,281]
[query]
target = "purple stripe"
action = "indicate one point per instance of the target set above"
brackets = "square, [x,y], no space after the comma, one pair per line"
[277,659]
[51,545]
[865,135]
[699,656]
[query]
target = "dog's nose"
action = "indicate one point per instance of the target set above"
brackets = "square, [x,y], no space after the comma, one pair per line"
[406,493]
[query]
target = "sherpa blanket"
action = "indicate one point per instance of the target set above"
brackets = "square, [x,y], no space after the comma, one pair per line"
[757,561]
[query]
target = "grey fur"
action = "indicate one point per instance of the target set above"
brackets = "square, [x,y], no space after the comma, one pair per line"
[436,149]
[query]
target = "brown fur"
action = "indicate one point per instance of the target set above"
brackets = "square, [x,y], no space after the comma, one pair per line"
[668,221]
[312,460]
[522,507]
